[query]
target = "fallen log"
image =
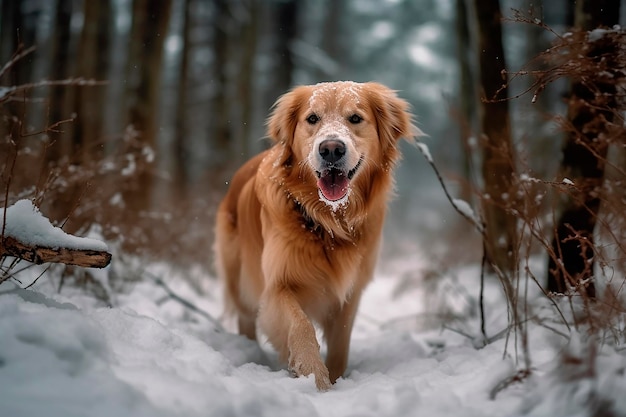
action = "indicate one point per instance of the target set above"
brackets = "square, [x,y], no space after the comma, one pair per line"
[26,234]
[9,246]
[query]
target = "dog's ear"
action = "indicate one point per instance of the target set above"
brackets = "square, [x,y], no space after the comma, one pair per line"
[393,118]
[281,125]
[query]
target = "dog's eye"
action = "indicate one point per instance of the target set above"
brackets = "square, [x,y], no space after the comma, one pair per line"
[312,119]
[355,119]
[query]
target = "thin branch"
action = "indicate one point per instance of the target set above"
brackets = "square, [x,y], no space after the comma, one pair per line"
[7,92]
[518,376]
[481,296]
[479,226]
[38,276]
[186,303]
[15,58]
[76,204]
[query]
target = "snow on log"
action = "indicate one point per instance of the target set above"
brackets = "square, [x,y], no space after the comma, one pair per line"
[30,236]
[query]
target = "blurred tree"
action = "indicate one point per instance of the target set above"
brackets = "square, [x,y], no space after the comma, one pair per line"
[235,40]
[286,33]
[59,105]
[144,65]
[10,16]
[17,27]
[180,171]
[591,107]
[467,96]
[498,162]
[92,63]
[333,41]
[220,135]
[249,34]
[11,24]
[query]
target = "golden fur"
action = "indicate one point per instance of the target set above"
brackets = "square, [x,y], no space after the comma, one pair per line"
[298,232]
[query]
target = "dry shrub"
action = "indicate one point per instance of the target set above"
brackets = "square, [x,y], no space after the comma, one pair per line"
[88,189]
[595,63]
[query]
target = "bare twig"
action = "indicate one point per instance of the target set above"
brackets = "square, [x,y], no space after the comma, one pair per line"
[481,297]
[76,204]
[186,303]
[7,92]
[6,193]
[478,225]
[39,276]
[519,376]
[19,54]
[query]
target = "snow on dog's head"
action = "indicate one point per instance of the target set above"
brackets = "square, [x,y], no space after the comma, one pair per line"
[340,134]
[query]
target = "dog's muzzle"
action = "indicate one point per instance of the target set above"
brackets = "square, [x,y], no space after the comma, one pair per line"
[334,179]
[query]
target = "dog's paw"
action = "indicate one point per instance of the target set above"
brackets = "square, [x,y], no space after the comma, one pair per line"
[301,366]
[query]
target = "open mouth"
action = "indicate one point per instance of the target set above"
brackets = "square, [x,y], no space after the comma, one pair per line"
[334,183]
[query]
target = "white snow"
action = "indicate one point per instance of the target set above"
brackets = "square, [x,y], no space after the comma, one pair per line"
[567,181]
[425,151]
[65,355]
[5,91]
[27,225]
[340,90]
[597,34]
[464,207]
[524,177]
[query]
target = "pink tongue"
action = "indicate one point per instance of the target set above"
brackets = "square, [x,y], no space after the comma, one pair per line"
[333,185]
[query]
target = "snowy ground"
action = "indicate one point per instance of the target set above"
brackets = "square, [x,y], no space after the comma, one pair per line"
[66,355]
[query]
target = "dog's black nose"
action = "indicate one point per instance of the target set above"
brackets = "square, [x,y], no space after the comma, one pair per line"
[332,150]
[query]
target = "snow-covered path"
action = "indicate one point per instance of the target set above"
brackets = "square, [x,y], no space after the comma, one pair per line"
[62,355]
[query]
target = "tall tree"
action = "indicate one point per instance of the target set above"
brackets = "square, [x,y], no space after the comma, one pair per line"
[59,104]
[285,33]
[333,40]
[221,103]
[150,20]
[92,63]
[498,162]
[17,27]
[181,129]
[245,83]
[467,93]
[590,112]
[235,41]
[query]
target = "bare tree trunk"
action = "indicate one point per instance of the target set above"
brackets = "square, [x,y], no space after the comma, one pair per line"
[333,40]
[17,27]
[245,82]
[59,104]
[498,162]
[10,24]
[584,158]
[143,89]
[93,63]
[235,42]
[221,132]
[60,107]
[467,96]
[287,26]
[180,171]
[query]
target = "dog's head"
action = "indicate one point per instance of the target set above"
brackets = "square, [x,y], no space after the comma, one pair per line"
[337,132]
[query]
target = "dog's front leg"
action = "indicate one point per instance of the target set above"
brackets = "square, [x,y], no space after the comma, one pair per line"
[291,332]
[337,332]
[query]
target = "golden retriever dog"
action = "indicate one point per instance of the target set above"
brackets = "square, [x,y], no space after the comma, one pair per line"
[298,232]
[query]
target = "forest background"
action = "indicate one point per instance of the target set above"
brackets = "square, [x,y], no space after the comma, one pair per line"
[133,115]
